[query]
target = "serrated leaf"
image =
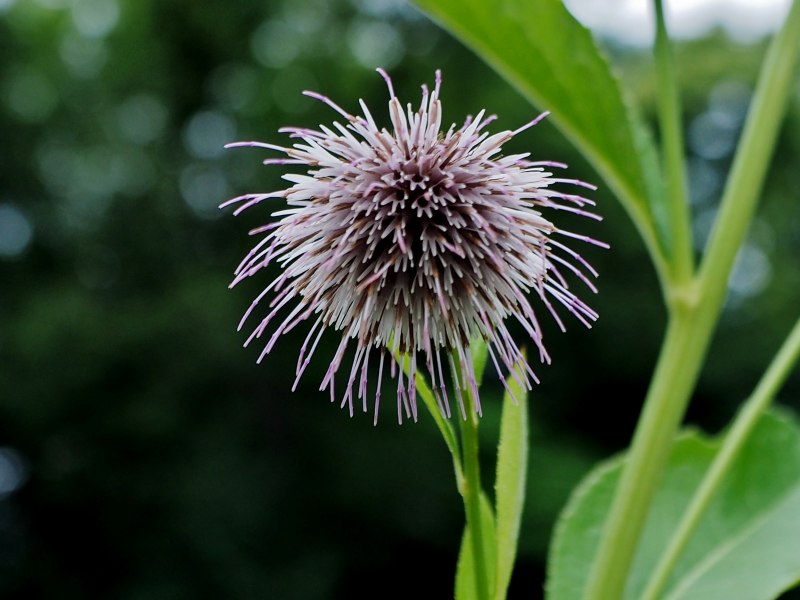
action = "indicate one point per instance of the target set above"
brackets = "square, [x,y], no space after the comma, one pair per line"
[540,48]
[746,546]
[512,466]
[465,570]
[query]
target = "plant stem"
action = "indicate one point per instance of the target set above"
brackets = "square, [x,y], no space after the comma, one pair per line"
[679,363]
[465,455]
[749,414]
[694,311]
[669,117]
[471,493]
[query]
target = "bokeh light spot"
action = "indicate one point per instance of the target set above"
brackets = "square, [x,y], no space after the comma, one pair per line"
[274,44]
[711,137]
[30,95]
[751,272]
[375,44]
[95,18]
[206,134]
[16,231]
[306,17]
[705,181]
[13,471]
[728,102]
[87,177]
[85,57]
[702,224]
[142,118]
[381,8]
[235,86]
[53,4]
[98,172]
[204,188]
[53,161]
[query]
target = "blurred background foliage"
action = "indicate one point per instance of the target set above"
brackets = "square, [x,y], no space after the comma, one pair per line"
[143,453]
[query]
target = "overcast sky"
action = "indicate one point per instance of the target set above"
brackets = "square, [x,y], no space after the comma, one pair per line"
[631,20]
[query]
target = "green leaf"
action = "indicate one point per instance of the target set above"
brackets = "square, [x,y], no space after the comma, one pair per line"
[465,570]
[479,351]
[746,546]
[539,47]
[512,466]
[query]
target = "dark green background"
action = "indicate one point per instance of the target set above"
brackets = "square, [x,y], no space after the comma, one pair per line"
[144,453]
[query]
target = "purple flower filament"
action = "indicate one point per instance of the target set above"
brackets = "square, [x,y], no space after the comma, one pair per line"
[411,243]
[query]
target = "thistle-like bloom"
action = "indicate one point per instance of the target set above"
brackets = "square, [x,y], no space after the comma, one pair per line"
[411,243]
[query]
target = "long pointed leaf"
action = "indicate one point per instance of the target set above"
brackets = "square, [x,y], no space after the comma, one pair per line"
[512,467]
[465,570]
[552,59]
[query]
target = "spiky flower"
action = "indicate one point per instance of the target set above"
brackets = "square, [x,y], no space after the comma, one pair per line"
[411,243]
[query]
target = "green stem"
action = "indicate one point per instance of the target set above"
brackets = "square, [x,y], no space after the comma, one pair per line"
[465,455]
[471,492]
[694,311]
[679,363]
[472,501]
[669,117]
[749,414]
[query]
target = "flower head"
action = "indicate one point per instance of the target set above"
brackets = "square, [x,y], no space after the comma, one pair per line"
[411,243]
